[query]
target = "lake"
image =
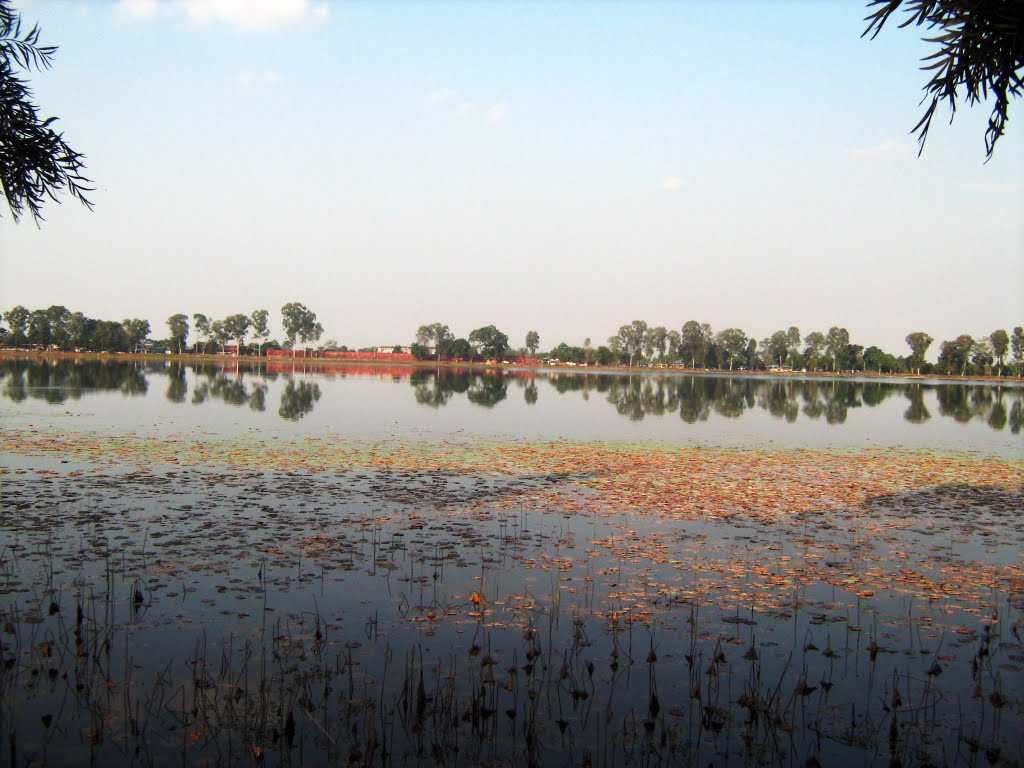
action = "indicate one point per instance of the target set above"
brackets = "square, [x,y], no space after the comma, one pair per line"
[359,565]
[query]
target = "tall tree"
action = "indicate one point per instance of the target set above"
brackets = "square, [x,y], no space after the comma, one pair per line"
[815,342]
[237,327]
[491,342]
[837,341]
[793,344]
[202,326]
[1017,345]
[178,326]
[260,328]
[918,341]
[136,331]
[655,340]
[35,161]
[1000,343]
[694,340]
[220,334]
[436,334]
[779,346]
[17,320]
[532,342]
[734,342]
[300,323]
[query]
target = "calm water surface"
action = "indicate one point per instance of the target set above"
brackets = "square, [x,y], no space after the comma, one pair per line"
[368,402]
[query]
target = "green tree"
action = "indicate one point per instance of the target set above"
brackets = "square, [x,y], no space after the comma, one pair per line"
[532,342]
[734,342]
[1000,343]
[220,334]
[918,341]
[694,340]
[1017,345]
[437,335]
[815,343]
[836,342]
[35,162]
[462,349]
[300,323]
[178,325]
[778,344]
[981,355]
[237,327]
[17,320]
[260,328]
[202,326]
[78,330]
[136,331]
[793,344]
[39,328]
[979,49]
[491,342]
[656,340]
[58,317]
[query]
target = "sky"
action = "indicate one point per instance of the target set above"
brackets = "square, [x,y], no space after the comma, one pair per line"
[565,167]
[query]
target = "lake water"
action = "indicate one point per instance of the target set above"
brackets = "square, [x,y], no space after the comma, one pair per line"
[370,402]
[395,566]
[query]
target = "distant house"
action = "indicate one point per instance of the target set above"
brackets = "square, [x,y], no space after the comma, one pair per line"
[388,348]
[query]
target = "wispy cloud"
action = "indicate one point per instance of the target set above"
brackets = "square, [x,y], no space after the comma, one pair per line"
[450,99]
[672,183]
[250,79]
[887,148]
[239,14]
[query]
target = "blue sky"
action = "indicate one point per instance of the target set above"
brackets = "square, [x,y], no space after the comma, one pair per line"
[561,166]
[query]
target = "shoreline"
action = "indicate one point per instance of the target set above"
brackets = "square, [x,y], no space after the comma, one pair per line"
[320,362]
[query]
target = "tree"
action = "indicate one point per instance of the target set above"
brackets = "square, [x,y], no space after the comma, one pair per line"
[35,161]
[300,323]
[436,333]
[815,342]
[178,325]
[981,355]
[694,341]
[491,342]
[58,317]
[237,327]
[778,344]
[918,341]
[980,49]
[17,320]
[1000,343]
[836,342]
[462,349]
[954,355]
[220,334]
[734,342]
[260,328]
[532,342]
[793,344]
[78,330]
[136,331]
[655,340]
[202,325]
[1017,345]
[631,339]
[39,328]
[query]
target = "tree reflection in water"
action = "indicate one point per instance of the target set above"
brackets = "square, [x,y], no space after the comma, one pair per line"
[633,396]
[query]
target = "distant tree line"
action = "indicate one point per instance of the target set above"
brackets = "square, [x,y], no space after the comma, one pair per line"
[696,346]
[59,328]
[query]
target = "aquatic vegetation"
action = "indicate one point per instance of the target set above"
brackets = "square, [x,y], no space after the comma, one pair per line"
[335,601]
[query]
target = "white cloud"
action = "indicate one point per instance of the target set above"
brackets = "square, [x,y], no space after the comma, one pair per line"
[240,14]
[249,79]
[450,99]
[138,9]
[672,184]
[497,111]
[886,148]
[442,95]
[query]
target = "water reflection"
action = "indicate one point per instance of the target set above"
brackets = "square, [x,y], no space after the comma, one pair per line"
[635,397]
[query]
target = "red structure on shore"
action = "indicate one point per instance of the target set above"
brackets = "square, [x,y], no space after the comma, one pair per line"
[335,354]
